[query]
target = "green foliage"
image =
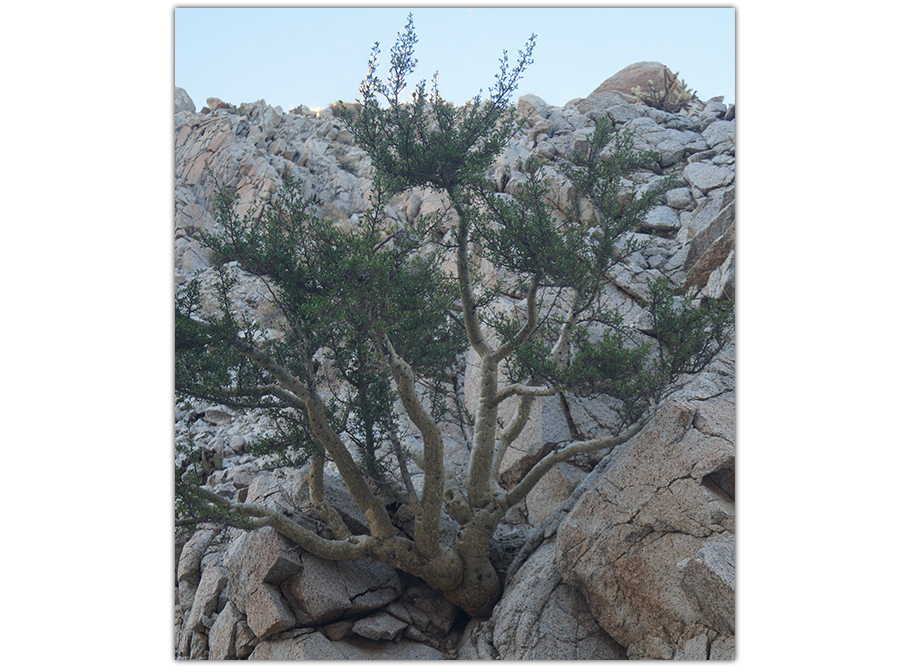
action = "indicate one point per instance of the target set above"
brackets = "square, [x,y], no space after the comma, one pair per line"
[429,141]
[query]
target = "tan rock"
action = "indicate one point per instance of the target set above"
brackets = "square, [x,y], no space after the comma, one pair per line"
[655,505]
[633,76]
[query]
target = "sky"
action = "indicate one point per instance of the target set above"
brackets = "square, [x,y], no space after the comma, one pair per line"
[315,56]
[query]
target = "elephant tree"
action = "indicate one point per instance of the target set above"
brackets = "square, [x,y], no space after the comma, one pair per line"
[377,323]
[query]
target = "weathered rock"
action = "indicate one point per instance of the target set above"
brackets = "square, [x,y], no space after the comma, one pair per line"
[315,646]
[476,641]
[338,630]
[636,75]
[267,611]
[712,243]
[656,504]
[706,176]
[708,580]
[720,136]
[551,491]
[183,102]
[379,626]
[721,283]
[531,108]
[661,218]
[425,609]
[256,561]
[216,104]
[222,634]
[541,618]
[329,590]
[206,599]
[188,573]
[722,649]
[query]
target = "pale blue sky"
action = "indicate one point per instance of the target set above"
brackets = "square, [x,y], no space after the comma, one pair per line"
[315,56]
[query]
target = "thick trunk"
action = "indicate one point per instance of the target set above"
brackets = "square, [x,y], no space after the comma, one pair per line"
[480,588]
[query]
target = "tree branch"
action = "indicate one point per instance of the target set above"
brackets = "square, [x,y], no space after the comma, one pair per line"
[523,391]
[352,548]
[464,277]
[531,479]
[317,496]
[427,524]
[530,322]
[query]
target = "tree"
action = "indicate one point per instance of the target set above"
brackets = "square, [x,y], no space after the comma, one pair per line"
[377,328]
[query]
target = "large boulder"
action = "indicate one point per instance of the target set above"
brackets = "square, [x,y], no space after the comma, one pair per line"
[636,75]
[667,495]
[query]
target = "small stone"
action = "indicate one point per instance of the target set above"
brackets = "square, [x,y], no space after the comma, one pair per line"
[379,626]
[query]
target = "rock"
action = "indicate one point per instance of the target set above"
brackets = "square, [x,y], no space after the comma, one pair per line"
[379,626]
[661,218]
[188,572]
[711,246]
[206,599]
[652,648]
[719,135]
[531,108]
[706,176]
[222,634]
[315,646]
[216,104]
[183,102]
[338,630]
[541,618]
[425,609]
[721,280]
[476,641]
[656,503]
[545,498]
[722,649]
[199,646]
[679,198]
[267,611]
[708,579]
[256,561]
[329,590]
[636,75]
[597,103]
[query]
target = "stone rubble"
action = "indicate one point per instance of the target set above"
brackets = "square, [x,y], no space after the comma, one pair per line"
[640,562]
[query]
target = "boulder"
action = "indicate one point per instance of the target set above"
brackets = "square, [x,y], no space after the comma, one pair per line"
[183,102]
[256,561]
[222,634]
[708,579]
[541,618]
[710,246]
[216,104]
[206,599]
[636,75]
[659,501]
[425,609]
[188,572]
[330,590]
[379,626]
[707,176]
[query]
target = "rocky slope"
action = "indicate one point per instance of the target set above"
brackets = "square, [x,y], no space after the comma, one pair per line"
[631,557]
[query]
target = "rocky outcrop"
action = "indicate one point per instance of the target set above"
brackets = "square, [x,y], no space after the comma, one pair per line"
[651,543]
[628,556]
